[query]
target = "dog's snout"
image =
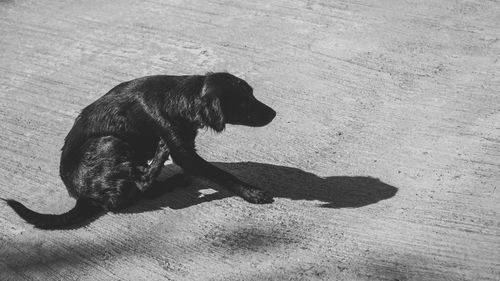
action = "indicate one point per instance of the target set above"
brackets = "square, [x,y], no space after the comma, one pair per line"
[272,114]
[268,112]
[254,114]
[267,115]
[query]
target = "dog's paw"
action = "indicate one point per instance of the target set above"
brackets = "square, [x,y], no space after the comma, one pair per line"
[257,196]
[163,145]
[162,148]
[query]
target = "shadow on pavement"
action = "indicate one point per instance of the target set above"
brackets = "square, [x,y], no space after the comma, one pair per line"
[281,182]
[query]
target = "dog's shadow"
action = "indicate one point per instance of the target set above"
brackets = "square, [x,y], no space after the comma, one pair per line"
[279,181]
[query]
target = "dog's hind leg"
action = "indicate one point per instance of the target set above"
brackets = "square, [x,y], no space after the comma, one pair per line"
[151,172]
[127,181]
[152,188]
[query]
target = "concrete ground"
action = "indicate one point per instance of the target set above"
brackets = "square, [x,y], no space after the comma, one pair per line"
[384,157]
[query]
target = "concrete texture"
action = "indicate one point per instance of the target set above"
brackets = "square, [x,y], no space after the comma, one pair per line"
[384,157]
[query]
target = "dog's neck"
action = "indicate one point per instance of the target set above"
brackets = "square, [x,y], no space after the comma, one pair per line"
[186,103]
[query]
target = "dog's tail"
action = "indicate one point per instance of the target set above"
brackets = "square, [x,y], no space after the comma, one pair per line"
[83,210]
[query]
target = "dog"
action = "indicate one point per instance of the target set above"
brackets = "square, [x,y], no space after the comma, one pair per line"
[104,160]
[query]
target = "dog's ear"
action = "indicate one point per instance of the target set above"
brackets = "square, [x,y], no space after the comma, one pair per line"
[211,108]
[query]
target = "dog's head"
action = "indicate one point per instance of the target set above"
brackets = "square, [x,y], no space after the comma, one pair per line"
[228,99]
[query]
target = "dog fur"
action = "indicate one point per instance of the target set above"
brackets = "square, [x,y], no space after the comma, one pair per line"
[104,161]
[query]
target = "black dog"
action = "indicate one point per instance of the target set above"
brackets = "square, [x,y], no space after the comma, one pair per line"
[105,155]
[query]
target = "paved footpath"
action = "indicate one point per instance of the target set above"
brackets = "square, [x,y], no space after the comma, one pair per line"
[383,159]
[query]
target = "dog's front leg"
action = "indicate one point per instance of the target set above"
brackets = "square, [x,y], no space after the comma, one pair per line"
[193,164]
[184,155]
